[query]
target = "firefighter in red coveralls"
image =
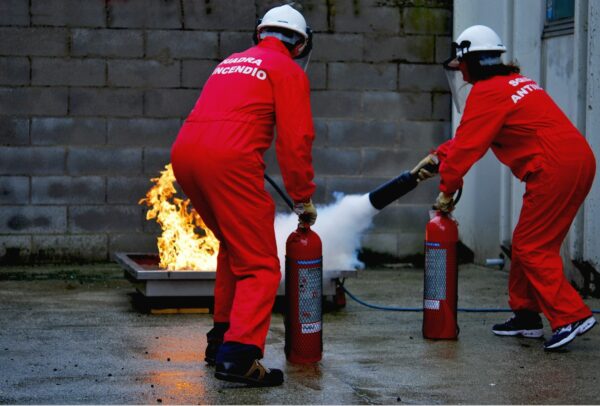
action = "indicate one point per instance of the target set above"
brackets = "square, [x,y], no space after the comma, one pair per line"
[218,161]
[528,132]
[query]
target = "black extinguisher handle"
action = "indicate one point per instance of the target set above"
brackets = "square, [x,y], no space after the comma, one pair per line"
[457,196]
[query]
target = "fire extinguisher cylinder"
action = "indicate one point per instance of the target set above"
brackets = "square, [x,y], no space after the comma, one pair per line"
[440,293]
[303,296]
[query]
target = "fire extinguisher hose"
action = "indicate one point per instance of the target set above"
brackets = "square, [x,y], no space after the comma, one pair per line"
[286,199]
[420,309]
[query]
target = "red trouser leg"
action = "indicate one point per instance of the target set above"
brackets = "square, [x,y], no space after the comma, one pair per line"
[229,188]
[225,281]
[537,281]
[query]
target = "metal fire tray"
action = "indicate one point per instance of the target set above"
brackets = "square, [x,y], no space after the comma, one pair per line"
[142,270]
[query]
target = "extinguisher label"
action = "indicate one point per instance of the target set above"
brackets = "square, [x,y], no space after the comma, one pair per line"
[435,274]
[431,304]
[310,292]
[310,328]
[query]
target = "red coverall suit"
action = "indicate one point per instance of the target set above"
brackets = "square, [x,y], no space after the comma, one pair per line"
[529,133]
[218,161]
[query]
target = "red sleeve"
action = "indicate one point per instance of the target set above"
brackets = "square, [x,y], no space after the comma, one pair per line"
[295,135]
[485,113]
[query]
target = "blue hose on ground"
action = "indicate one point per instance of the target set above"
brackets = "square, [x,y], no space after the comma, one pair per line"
[420,309]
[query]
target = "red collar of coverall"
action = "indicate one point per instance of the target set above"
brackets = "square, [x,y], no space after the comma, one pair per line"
[274,44]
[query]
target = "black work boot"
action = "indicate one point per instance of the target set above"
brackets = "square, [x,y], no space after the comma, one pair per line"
[240,363]
[525,323]
[214,339]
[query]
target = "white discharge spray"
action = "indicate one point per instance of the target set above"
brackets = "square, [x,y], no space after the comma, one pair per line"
[340,226]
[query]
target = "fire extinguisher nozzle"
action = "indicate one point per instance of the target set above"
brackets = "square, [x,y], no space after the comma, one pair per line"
[392,190]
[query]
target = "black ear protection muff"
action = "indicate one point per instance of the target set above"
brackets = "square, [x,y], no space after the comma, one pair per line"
[255,33]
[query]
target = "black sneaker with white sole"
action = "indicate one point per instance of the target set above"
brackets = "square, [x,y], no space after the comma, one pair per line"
[524,323]
[565,334]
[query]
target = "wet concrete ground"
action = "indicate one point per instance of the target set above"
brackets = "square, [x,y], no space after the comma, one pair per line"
[66,341]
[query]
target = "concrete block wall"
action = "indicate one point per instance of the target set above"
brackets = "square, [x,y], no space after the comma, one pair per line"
[92,94]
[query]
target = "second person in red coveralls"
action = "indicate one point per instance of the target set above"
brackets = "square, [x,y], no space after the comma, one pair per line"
[218,161]
[528,132]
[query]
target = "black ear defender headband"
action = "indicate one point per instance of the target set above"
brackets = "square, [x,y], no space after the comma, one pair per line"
[305,51]
[255,33]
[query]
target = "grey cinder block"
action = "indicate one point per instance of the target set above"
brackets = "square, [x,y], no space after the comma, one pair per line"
[14,190]
[24,101]
[127,189]
[170,102]
[386,162]
[33,219]
[166,45]
[393,105]
[336,103]
[336,161]
[195,73]
[14,131]
[68,131]
[107,43]
[361,133]
[14,71]
[155,160]
[144,14]
[360,17]
[218,15]
[68,190]
[338,47]
[143,73]
[442,106]
[233,41]
[32,161]
[106,102]
[415,48]
[442,48]
[14,12]
[422,136]
[33,41]
[317,75]
[422,20]
[73,13]
[353,76]
[108,219]
[68,72]
[422,78]
[104,161]
[152,132]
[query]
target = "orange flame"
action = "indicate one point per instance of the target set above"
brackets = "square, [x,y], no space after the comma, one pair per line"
[186,243]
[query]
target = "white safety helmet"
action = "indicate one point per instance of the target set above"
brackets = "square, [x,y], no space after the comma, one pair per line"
[294,31]
[478,38]
[284,17]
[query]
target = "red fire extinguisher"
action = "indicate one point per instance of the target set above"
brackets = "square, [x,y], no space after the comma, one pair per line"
[440,293]
[303,295]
